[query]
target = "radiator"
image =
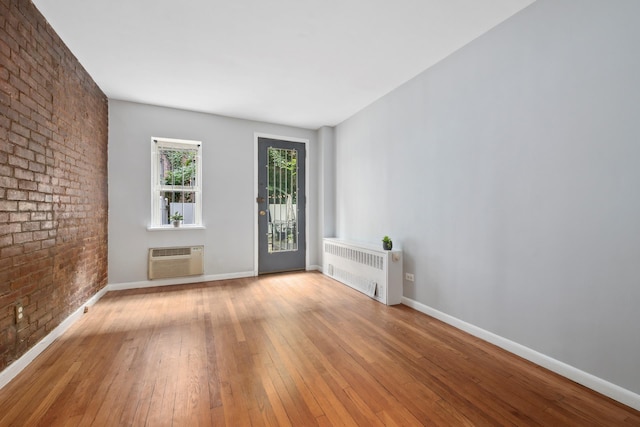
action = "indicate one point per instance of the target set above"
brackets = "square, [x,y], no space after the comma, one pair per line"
[370,270]
[167,263]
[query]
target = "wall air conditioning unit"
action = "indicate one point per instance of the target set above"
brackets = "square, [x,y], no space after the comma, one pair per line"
[167,263]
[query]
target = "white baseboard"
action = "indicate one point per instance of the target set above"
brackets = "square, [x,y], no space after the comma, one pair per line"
[314,268]
[611,390]
[177,281]
[16,367]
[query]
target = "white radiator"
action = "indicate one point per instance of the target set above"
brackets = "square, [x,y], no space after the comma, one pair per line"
[372,271]
[167,263]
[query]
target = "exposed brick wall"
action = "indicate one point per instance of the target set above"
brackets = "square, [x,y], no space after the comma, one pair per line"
[53,180]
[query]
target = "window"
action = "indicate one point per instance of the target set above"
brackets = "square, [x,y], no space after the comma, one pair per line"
[176,181]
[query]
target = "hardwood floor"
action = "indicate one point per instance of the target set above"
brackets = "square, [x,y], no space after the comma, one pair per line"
[294,349]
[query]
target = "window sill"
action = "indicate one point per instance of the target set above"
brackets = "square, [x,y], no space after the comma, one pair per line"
[172,228]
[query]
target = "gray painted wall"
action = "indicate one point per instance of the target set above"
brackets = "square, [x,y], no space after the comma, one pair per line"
[327,183]
[509,174]
[228,188]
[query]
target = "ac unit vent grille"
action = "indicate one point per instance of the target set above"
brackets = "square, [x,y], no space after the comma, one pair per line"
[162,252]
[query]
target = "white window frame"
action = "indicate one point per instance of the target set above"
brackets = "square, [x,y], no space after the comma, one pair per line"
[158,187]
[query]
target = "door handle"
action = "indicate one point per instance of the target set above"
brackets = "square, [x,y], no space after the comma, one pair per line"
[262,213]
[259,199]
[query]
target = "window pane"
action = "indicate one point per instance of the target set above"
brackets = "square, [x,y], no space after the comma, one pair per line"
[178,167]
[182,202]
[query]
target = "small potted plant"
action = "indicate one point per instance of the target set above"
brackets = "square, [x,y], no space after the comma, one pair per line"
[176,219]
[387,244]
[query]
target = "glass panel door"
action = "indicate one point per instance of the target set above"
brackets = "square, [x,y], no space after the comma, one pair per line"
[282,192]
[281,206]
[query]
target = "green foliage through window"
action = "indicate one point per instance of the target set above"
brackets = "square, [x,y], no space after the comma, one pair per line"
[283,170]
[178,168]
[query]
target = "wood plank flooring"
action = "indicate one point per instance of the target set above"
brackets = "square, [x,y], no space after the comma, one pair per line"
[285,350]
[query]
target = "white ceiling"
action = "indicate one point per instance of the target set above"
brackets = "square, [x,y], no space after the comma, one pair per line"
[297,62]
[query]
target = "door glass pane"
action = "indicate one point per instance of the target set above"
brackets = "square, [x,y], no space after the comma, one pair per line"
[282,191]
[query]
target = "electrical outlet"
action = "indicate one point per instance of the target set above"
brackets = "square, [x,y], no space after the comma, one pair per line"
[19,312]
[409,277]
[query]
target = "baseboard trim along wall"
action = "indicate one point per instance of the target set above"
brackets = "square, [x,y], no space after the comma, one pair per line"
[16,367]
[613,391]
[177,281]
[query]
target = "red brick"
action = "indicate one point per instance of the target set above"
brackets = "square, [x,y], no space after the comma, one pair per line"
[41,101]
[5,240]
[5,99]
[54,117]
[34,196]
[28,102]
[32,247]
[44,188]
[27,206]
[22,237]
[7,88]
[17,83]
[38,216]
[11,227]
[11,66]
[24,153]
[44,207]
[8,206]
[18,110]
[28,123]
[30,226]
[46,132]
[27,185]
[23,174]
[38,143]
[43,234]
[44,319]
[26,75]
[48,243]
[8,182]
[18,139]
[10,251]
[42,178]
[37,167]
[19,162]
[5,50]
[19,217]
